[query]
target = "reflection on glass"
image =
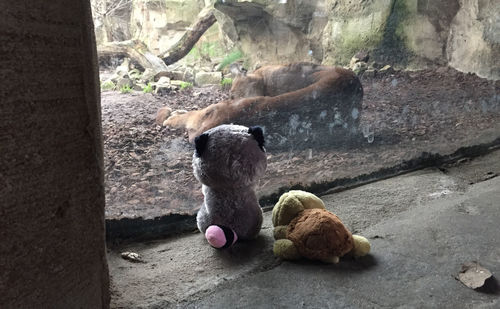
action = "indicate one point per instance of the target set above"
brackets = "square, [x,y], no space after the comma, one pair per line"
[354,88]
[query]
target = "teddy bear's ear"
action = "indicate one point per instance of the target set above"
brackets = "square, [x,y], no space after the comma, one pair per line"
[200,143]
[258,135]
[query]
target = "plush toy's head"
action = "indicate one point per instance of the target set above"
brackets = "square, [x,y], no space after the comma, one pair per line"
[229,156]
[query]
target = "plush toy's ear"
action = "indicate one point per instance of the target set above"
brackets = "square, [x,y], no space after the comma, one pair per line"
[200,143]
[258,135]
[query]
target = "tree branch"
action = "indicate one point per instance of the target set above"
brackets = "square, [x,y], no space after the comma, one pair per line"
[180,49]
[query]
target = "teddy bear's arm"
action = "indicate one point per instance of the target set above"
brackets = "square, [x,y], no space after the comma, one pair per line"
[280,232]
[285,249]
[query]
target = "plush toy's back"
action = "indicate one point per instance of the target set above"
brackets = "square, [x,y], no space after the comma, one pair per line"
[228,161]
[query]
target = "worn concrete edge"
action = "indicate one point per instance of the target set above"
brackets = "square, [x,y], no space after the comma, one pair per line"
[141,229]
[424,160]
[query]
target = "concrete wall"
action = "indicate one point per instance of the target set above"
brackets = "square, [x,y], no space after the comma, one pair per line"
[52,250]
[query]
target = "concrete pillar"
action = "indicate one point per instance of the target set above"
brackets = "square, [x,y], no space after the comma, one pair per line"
[52,249]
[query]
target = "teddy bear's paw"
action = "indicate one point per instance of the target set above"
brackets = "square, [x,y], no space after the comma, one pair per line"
[361,246]
[220,237]
[285,249]
[331,260]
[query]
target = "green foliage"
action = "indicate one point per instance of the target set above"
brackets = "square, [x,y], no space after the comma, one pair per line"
[205,50]
[148,88]
[232,57]
[107,85]
[134,74]
[125,89]
[210,49]
[186,85]
[226,83]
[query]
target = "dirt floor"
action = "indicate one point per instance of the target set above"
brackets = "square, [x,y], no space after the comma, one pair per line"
[148,167]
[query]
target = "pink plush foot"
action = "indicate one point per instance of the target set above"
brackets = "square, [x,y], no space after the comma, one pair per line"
[220,236]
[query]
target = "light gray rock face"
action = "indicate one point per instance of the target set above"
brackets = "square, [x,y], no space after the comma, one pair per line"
[464,34]
[274,31]
[161,23]
[474,40]
[162,86]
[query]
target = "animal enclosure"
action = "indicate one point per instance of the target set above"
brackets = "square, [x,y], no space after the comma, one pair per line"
[419,99]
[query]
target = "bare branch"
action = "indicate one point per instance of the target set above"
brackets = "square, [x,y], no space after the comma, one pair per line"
[117,5]
[205,20]
[95,9]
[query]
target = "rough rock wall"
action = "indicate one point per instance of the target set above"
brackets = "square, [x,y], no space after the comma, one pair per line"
[161,23]
[274,32]
[52,249]
[404,33]
[158,23]
[474,40]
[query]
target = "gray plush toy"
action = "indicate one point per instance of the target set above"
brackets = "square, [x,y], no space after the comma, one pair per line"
[228,161]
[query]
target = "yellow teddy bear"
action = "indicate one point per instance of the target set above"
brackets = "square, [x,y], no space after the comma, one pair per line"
[304,228]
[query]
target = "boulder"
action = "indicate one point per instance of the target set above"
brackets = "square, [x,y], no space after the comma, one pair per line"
[370,73]
[474,39]
[124,82]
[163,81]
[361,56]
[122,69]
[177,83]
[107,85]
[387,69]
[359,67]
[188,75]
[147,75]
[134,74]
[207,78]
[177,75]
[162,86]
[138,87]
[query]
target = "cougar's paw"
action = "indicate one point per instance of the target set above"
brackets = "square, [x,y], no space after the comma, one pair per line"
[162,114]
[176,119]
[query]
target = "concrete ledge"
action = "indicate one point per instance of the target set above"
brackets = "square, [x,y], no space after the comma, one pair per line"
[422,225]
[148,229]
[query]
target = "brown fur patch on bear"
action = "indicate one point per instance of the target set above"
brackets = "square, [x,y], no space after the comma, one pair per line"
[318,234]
